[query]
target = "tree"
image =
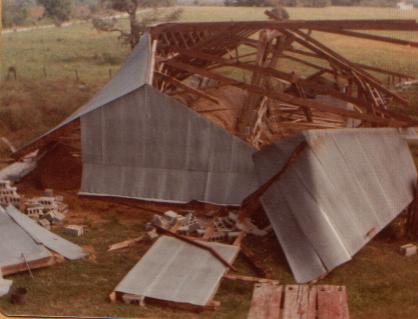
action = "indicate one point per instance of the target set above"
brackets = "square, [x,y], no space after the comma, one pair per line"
[14,12]
[59,10]
[137,23]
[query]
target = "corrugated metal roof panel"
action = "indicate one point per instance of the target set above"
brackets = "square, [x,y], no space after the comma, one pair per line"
[14,242]
[131,76]
[147,145]
[347,183]
[45,237]
[173,270]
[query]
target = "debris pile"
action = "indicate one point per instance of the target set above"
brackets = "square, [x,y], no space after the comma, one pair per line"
[47,210]
[211,228]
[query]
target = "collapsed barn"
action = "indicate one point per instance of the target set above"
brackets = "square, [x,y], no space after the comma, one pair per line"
[210,112]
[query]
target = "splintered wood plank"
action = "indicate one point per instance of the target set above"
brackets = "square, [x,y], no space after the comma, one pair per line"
[296,302]
[332,302]
[266,301]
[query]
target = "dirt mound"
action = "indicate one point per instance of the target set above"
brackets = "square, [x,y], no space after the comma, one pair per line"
[60,169]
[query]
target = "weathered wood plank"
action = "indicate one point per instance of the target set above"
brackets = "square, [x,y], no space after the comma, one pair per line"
[296,301]
[332,302]
[312,302]
[266,302]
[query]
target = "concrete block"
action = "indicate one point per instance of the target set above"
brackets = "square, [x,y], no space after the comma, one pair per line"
[75,230]
[408,250]
[54,217]
[171,216]
[157,221]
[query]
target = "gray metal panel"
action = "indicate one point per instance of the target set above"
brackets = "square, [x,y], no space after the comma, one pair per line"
[301,256]
[173,270]
[45,237]
[16,171]
[345,184]
[14,242]
[132,75]
[147,145]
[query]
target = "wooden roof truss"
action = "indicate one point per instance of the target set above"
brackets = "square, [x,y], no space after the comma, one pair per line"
[281,101]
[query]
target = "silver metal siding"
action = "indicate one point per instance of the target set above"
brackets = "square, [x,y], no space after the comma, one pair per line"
[14,242]
[346,183]
[147,145]
[174,270]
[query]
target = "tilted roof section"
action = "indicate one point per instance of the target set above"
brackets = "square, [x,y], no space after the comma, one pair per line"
[345,187]
[147,145]
[132,75]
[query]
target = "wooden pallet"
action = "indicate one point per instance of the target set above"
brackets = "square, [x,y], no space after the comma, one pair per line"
[272,301]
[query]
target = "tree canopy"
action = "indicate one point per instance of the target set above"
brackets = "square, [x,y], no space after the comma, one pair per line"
[59,10]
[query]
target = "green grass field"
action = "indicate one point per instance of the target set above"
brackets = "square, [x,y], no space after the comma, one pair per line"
[381,283]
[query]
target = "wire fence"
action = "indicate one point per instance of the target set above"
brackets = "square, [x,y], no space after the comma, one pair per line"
[14,73]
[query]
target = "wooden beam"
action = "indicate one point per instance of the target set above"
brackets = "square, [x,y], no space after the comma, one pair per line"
[286,97]
[190,89]
[46,139]
[291,78]
[314,45]
[360,65]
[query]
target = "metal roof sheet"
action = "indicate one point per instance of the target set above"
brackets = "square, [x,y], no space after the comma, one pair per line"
[173,270]
[147,145]
[44,236]
[132,75]
[14,242]
[347,184]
